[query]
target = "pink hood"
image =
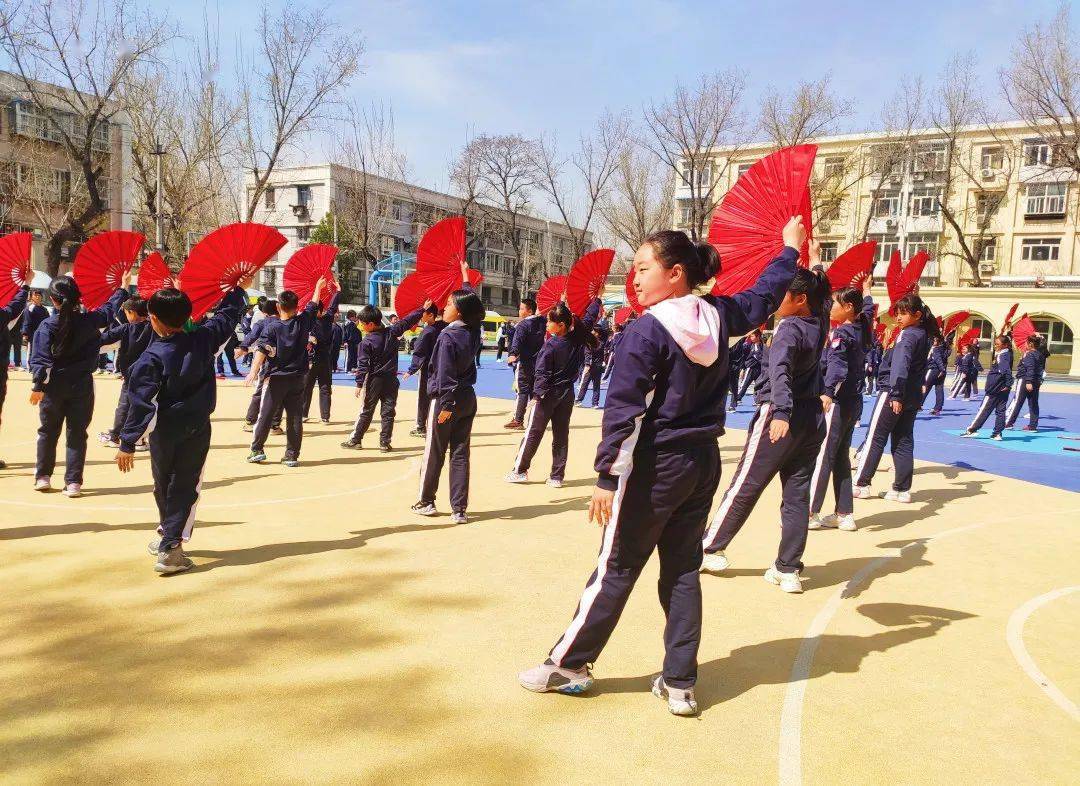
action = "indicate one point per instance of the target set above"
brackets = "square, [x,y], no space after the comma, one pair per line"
[694,324]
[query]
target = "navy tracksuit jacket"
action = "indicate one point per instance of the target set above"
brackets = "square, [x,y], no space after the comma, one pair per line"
[321,360]
[251,339]
[752,359]
[528,339]
[172,392]
[844,362]
[968,367]
[68,384]
[900,378]
[937,368]
[999,381]
[31,321]
[376,374]
[873,363]
[1028,372]
[659,456]
[558,367]
[352,337]
[423,352]
[134,338]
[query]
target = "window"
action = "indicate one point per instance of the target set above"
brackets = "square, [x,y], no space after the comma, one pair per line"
[930,158]
[303,196]
[485,294]
[686,210]
[60,190]
[834,167]
[1037,153]
[886,245]
[1045,199]
[927,242]
[988,250]
[987,204]
[888,159]
[1059,336]
[1040,249]
[268,199]
[704,174]
[742,169]
[388,245]
[886,204]
[828,252]
[993,157]
[925,201]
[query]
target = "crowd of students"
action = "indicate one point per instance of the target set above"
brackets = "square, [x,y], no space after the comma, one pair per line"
[672,375]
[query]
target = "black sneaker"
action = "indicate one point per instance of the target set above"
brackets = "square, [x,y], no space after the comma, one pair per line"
[424,509]
[459,517]
[277,431]
[385,447]
[350,445]
[418,432]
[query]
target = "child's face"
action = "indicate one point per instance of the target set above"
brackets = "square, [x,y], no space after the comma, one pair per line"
[556,328]
[426,318]
[905,319]
[653,282]
[841,311]
[791,305]
[450,311]
[367,327]
[35,298]
[998,343]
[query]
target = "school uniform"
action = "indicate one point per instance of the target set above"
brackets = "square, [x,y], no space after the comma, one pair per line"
[500,342]
[285,342]
[900,378]
[735,361]
[751,366]
[658,453]
[172,393]
[593,372]
[422,357]
[227,354]
[873,363]
[1028,372]
[251,340]
[376,375]
[9,313]
[937,366]
[557,369]
[969,367]
[613,344]
[843,362]
[999,380]
[337,338]
[450,389]
[68,384]
[134,338]
[353,337]
[13,335]
[321,361]
[528,339]
[31,321]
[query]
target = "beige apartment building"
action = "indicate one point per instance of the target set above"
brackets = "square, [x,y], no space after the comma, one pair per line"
[1016,211]
[38,181]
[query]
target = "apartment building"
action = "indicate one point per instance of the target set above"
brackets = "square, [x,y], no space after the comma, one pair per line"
[398,213]
[39,183]
[987,201]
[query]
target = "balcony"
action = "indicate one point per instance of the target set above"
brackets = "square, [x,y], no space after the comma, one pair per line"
[1045,208]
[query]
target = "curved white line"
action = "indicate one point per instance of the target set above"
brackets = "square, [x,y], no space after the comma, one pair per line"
[1014,635]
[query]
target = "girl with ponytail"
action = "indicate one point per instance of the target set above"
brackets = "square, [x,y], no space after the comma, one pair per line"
[62,361]
[658,463]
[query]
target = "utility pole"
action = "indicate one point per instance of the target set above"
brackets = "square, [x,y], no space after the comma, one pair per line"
[159,228]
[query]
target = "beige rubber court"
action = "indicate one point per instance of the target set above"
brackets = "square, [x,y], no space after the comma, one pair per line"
[329,635]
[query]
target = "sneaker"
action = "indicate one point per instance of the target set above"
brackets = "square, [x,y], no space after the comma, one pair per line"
[105,438]
[714,562]
[459,517]
[219,376]
[73,490]
[1030,428]
[680,701]
[513,425]
[788,582]
[248,427]
[173,561]
[256,457]
[290,462]
[277,431]
[935,412]
[424,509]
[817,521]
[996,437]
[418,432]
[555,483]
[351,445]
[862,492]
[152,547]
[111,443]
[140,447]
[846,523]
[42,484]
[517,477]
[549,677]
[897,496]
[385,447]
[583,405]
[731,409]
[325,421]
[969,434]
[307,420]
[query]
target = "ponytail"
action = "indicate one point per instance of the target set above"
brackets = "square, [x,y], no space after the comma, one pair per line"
[850,296]
[700,261]
[910,304]
[815,285]
[575,328]
[65,294]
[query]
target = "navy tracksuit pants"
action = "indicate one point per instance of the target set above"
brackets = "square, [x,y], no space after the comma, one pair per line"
[121,411]
[523,376]
[592,376]
[177,458]
[70,407]
[226,354]
[256,402]
[661,503]
[1032,399]
[281,393]
[350,356]
[748,380]
[969,385]
[454,436]
[886,425]
[834,456]
[557,407]
[381,392]
[935,380]
[793,458]
[319,373]
[992,402]
[423,401]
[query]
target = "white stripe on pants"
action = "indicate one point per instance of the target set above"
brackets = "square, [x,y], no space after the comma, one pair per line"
[752,442]
[833,414]
[427,443]
[883,398]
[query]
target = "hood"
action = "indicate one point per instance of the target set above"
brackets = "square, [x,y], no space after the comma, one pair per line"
[694,324]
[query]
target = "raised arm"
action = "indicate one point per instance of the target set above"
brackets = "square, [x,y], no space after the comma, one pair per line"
[407,322]
[219,328]
[16,307]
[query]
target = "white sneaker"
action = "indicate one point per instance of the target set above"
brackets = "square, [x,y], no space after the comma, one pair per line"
[862,492]
[897,496]
[969,434]
[459,517]
[73,490]
[517,477]
[424,509]
[680,701]
[817,521]
[714,563]
[788,582]
[549,677]
[42,484]
[845,522]
[555,483]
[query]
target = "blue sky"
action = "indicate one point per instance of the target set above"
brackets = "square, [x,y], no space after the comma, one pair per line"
[553,67]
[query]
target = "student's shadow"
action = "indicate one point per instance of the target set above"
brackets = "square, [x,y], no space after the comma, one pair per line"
[351,457]
[207,485]
[523,512]
[770,662]
[935,500]
[84,527]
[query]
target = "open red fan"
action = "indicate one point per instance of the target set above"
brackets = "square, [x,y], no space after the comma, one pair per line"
[15,271]
[1023,330]
[443,245]
[437,286]
[154,275]
[223,258]
[631,293]
[850,268]
[747,226]
[586,279]
[623,314]
[550,293]
[102,261]
[879,331]
[890,338]
[1009,316]
[971,334]
[305,268]
[902,282]
[954,321]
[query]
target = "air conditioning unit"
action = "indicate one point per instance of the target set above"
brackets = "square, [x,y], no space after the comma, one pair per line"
[919,176]
[890,223]
[300,211]
[988,174]
[986,268]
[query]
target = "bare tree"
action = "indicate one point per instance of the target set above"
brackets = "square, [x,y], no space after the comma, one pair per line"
[296,76]
[812,110]
[1042,84]
[577,195]
[69,60]
[684,132]
[640,201]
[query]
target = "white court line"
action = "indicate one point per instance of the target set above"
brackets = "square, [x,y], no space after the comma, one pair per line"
[248,503]
[1014,635]
[790,756]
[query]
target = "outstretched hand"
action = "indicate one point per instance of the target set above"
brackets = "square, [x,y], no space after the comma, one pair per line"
[125,280]
[794,233]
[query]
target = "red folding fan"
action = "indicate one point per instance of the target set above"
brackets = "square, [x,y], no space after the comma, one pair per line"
[102,261]
[437,286]
[879,331]
[631,293]
[905,281]
[1009,316]
[15,271]
[890,339]
[954,321]
[443,245]
[550,293]
[850,268]
[971,334]
[747,227]
[305,268]
[623,314]
[154,275]
[586,279]
[1023,330]
[223,258]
